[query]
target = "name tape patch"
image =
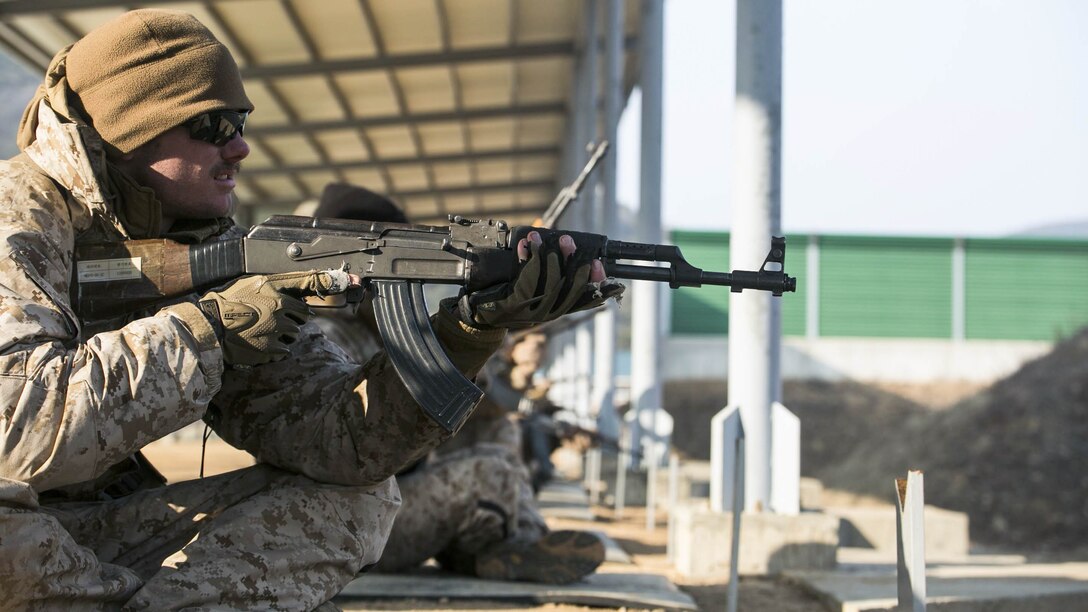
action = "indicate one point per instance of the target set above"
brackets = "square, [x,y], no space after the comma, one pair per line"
[103,270]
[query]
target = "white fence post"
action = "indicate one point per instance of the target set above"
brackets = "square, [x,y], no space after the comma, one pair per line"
[911,542]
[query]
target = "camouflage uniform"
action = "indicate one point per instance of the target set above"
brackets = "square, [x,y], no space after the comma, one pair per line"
[472,494]
[79,399]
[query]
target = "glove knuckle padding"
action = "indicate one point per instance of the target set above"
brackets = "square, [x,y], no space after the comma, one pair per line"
[546,288]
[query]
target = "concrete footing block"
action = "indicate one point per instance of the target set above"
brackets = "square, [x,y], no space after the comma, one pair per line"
[769,543]
[874,527]
[812,493]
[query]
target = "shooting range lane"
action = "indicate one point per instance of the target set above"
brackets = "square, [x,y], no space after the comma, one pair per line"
[616,584]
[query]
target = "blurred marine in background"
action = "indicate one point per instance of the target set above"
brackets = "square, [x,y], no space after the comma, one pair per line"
[469,505]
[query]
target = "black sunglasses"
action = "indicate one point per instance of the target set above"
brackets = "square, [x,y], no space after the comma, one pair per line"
[217,127]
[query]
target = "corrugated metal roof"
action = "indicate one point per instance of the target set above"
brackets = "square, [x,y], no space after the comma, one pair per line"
[448,106]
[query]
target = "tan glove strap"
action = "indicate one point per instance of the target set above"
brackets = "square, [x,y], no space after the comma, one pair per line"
[198,324]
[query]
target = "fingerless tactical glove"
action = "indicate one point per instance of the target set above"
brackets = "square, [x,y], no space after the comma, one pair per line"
[546,288]
[258,317]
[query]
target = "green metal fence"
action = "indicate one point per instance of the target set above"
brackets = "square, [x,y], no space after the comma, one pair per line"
[702,310]
[885,287]
[1025,289]
[906,287]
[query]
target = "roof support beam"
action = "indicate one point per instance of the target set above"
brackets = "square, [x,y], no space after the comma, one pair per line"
[491,213]
[465,56]
[25,7]
[469,156]
[440,191]
[554,108]
[395,85]
[22,47]
[486,188]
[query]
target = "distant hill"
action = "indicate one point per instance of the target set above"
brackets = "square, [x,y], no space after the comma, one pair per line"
[17,85]
[1068,229]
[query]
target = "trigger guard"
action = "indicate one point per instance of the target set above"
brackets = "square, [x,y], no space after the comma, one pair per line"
[355,294]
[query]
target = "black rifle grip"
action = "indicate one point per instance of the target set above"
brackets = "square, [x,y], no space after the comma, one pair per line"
[441,390]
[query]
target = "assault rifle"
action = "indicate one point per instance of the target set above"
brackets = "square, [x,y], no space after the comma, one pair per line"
[395,260]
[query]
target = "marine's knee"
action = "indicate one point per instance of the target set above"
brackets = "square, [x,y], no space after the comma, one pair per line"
[40,564]
[358,519]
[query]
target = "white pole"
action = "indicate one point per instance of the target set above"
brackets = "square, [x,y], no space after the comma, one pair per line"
[645,329]
[738,505]
[622,460]
[812,287]
[754,321]
[587,128]
[604,369]
[592,474]
[959,290]
[674,499]
[911,542]
[570,372]
[583,363]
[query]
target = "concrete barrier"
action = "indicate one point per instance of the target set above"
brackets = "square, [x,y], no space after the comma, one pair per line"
[770,543]
[874,527]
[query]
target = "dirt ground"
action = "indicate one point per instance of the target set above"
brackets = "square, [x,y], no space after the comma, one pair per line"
[647,551]
[1013,455]
[180,460]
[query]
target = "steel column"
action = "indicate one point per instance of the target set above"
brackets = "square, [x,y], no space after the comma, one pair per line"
[959,290]
[645,324]
[582,217]
[754,317]
[604,369]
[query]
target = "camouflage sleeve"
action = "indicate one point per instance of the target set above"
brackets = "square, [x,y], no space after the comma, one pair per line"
[69,409]
[321,414]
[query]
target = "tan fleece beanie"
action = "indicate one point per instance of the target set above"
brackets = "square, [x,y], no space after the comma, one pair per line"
[148,71]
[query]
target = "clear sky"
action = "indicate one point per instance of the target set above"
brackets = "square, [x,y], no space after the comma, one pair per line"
[928,117]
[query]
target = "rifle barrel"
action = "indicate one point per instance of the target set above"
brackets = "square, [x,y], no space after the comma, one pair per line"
[694,277]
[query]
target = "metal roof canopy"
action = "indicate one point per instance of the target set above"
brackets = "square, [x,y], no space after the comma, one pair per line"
[447,106]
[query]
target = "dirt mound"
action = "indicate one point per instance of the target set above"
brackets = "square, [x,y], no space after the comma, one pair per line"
[835,417]
[1014,457]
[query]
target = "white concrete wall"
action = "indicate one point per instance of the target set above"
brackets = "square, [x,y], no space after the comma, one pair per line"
[866,359]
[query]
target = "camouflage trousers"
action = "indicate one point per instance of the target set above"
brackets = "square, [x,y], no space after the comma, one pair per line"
[459,505]
[256,538]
